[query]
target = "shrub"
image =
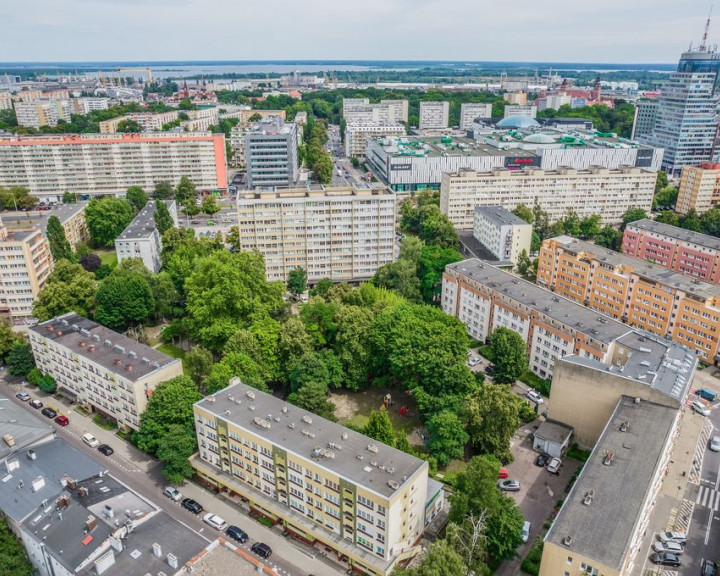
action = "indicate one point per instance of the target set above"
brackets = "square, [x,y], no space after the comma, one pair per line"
[531,563]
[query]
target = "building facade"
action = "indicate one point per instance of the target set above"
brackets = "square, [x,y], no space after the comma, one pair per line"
[518,98]
[645,116]
[469,111]
[43,112]
[6,101]
[360,111]
[142,239]
[434,115]
[357,134]
[102,370]
[323,482]
[636,292]
[520,110]
[72,218]
[344,234]
[609,193]
[699,188]
[51,165]
[86,105]
[148,121]
[271,154]
[502,233]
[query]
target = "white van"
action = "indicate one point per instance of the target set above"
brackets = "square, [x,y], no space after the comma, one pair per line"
[90,440]
[526,531]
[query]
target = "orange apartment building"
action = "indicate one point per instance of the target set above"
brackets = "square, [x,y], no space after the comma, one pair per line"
[636,292]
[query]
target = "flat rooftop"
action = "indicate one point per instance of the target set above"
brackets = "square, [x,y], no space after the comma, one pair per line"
[500,216]
[316,191]
[224,558]
[438,146]
[642,268]
[554,137]
[143,225]
[577,317]
[601,512]
[678,233]
[24,428]
[103,346]
[64,212]
[382,469]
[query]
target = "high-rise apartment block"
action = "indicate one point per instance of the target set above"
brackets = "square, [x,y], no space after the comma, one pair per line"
[516,98]
[470,111]
[80,162]
[434,115]
[43,112]
[641,294]
[554,101]
[603,191]
[684,251]
[141,239]
[699,188]
[271,154]
[357,134]
[502,233]
[322,482]
[86,105]
[5,101]
[517,110]
[360,111]
[148,121]
[102,370]
[344,234]
[645,116]
[25,264]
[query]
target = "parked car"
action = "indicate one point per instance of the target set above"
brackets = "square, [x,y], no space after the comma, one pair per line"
[526,531]
[237,534]
[700,408]
[679,537]
[669,546]
[172,493]
[49,412]
[62,421]
[665,559]
[509,485]
[502,474]
[36,403]
[261,549]
[106,450]
[90,440]
[542,459]
[473,361]
[190,504]
[708,568]
[215,521]
[534,396]
[24,396]
[554,466]
[715,443]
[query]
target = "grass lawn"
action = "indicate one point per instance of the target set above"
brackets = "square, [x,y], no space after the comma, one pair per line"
[174,351]
[452,470]
[107,256]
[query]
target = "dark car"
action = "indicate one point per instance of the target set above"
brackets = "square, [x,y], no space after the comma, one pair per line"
[708,568]
[665,559]
[105,449]
[49,412]
[36,404]
[542,460]
[261,549]
[190,504]
[237,534]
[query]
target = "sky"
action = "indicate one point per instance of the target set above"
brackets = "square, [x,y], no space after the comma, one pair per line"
[623,31]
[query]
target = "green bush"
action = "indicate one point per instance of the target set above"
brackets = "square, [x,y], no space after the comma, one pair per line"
[34,377]
[47,384]
[534,381]
[531,563]
[576,453]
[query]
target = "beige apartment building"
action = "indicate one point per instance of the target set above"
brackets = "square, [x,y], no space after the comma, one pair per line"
[5,101]
[46,112]
[636,292]
[72,218]
[148,121]
[102,370]
[699,188]
[344,233]
[25,264]
[325,484]
[357,133]
[604,191]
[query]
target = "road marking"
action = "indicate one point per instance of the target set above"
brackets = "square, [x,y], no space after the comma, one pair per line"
[707,532]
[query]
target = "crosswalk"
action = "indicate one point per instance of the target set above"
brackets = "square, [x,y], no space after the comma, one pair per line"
[708,497]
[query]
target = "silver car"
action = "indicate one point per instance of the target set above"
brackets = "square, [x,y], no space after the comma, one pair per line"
[669,546]
[700,408]
[715,443]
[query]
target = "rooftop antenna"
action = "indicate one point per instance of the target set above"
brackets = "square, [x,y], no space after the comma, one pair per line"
[703,44]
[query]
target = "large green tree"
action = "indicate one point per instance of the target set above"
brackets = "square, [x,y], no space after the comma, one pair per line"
[185,192]
[123,299]
[400,277]
[163,190]
[379,427]
[20,359]
[236,364]
[174,450]
[13,560]
[17,198]
[107,218]
[447,436]
[492,415]
[162,217]
[137,197]
[59,246]
[197,363]
[210,205]
[293,343]
[69,288]
[7,338]
[440,559]
[313,397]
[352,344]
[297,281]
[508,351]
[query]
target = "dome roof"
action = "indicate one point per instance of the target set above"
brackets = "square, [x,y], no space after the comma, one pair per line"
[539,138]
[518,122]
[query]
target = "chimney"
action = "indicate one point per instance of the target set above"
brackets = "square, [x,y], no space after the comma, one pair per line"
[91,523]
[82,344]
[172,561]
[129,367]
[9,439]
[157,550]
[117,362]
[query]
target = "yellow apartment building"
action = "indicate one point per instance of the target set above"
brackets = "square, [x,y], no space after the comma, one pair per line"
[699,188]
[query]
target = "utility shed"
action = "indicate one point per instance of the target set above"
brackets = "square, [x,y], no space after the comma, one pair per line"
[553,438]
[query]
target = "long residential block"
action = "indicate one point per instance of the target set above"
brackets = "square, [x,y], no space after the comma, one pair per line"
[104,371]
[637,292]
[95,164]
[141,239]
[72,218]
[699,188]
[324,483]
[344,234]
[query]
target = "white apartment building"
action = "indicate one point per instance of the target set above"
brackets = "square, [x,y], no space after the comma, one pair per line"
[518,110]
[148,121]
[356,136]
[5,101]
[434,115]
[502,233]
[102,370]
[344,234]
[50,165]
[86,105]
[554,101]
[322,482]
[360,111]
[72,218]
[472,110]
[200,120]
[43,112]
[609,193]
[141,239]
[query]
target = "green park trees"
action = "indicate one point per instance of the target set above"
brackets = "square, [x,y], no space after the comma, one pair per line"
[107,218]
[162,217]
[59,246]
[137,197]
[69,288]
[297,281]
[508,353]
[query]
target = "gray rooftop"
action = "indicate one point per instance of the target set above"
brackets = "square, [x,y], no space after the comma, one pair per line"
[310,436]
[553,431]
[642,268]
[500,216]
[64,212]
[566,312]
[143,225]
[439,146]
[678,233]
[25,429]
[80,335]
[601,529]
[220,560]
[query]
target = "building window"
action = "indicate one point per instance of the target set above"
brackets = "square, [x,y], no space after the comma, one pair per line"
[569,561]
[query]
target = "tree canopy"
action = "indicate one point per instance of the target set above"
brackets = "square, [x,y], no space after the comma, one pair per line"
[509,357]
[59,246]
[69,288]
[107,218]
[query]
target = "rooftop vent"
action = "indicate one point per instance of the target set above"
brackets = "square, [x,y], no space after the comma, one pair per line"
[64,322]
[334,446]
[588,498]
[609,457]
[132,354]
[119,348]
[107,343]
[96,337]
[359,456]
[261,422]
[91,348]
[250,394]
[284,409]
[291,425]
[129,367]
[82,344]
[393,484]
[307,419]
[145,360]
[372,448]
[624,426]
[117,362]
[567,541]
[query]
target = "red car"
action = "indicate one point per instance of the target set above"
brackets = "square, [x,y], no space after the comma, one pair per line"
[62,420]
[503,474]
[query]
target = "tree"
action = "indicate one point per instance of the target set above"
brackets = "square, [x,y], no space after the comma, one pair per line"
[90,262]
[128,126]
[162,217]
[137,197]
[491,414]
[668,217]
[469,538]
[256,117]
[352,345]
[400,277]
[20,359]
[59,246]
[232,238]
[47,384]
[632,215]
[69,198]
[323,169]
[431,266]
[174,450]
[198,362]
[313,397]
[170,404]
[609,237]
[710,222]
[571,223]
[508,353]
[319,319]
[440,559]
[297,281]
[321,288]
[186,104]
[13,559]
[524,213]
[107,218]
[665,198]
[662,181]
[310,367]
[293,344]
[163,190]
[523,263]
[447,436]
[124,298]
[691,221]
[590,226]
[210,205]
[379,427]
[7,338]
[69,288]
[185,192]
